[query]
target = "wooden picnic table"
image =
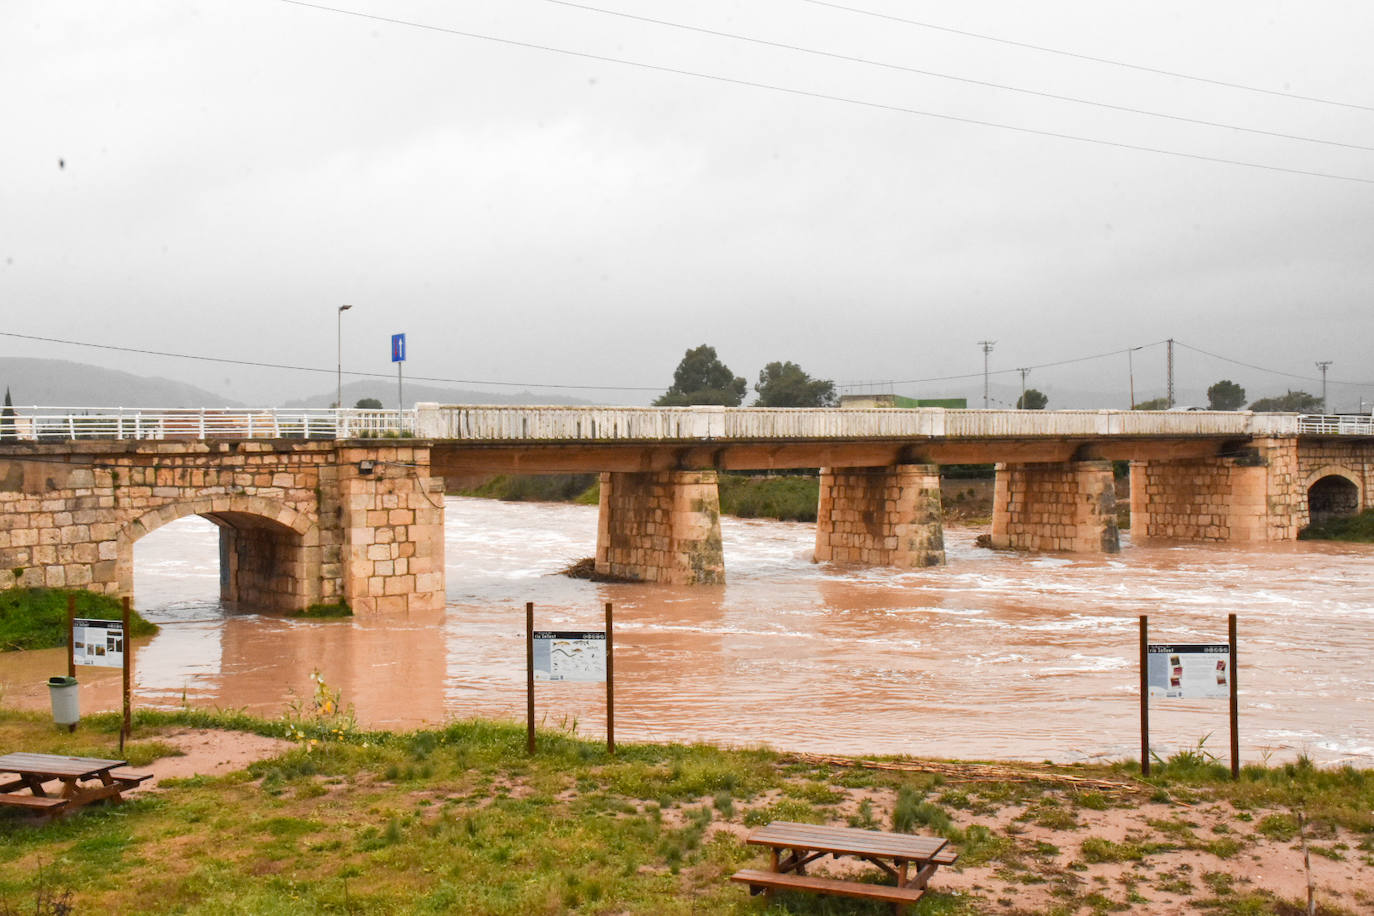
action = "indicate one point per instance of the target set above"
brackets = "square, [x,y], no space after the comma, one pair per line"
[792,846]
[82,780]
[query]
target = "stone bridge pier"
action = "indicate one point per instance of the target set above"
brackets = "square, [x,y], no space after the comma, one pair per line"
[889,516]
[1058,506]
[661,526]
[301,522]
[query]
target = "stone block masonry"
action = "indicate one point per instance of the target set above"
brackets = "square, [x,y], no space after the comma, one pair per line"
[300,521]
[1253,495]
[880,517]
[660,527]
[1063,506]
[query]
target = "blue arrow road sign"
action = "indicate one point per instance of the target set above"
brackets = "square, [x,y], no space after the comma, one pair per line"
[398,348]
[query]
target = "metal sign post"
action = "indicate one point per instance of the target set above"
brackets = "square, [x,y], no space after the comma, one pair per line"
[71,630]
[127,728]
[398,356]
[1189,671]
[610,683]
[104,644]
[1144,696]
[558,655]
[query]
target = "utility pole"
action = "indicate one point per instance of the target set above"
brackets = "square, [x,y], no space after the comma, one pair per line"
[987,346]
[339,403]
[1171,372]
[1130,367]
[1323,366]
[1021,404]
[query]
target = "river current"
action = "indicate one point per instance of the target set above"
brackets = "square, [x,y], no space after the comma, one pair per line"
[996,655]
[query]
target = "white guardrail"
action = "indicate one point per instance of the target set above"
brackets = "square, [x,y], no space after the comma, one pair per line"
[61,423]
[482,423]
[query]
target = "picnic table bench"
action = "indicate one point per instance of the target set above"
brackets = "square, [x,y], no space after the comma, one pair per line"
[792,846]
[82,780]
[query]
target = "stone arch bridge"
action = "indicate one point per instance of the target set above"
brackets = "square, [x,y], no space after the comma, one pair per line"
[346,505]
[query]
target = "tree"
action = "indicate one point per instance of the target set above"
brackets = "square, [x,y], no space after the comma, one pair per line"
[701,378]
[1291,402]
[7,417]
[1225,395]
[786,385]
[1032,400]
[368,404]
[1153,404]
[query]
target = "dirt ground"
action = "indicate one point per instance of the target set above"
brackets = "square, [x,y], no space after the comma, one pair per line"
[1117,852]
[210,752]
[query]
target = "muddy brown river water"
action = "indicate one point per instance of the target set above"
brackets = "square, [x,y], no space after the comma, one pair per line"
[996,655]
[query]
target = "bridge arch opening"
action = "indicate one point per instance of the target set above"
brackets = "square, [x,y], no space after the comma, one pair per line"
[1332,496]
[269,554]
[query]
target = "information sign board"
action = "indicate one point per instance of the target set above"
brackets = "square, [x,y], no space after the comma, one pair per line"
[1190,671]
[570,656]
[98,642]
[398,348]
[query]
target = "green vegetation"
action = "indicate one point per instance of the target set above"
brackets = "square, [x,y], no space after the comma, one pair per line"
[7,417]
[1289,402]
[1153,404]
[460,819]
[1358,528]
[327,611]
[1225,395]
[701,378]
[786,385]
[36,618]
[1033,399]
[368,404]
[558,488]
[789,498]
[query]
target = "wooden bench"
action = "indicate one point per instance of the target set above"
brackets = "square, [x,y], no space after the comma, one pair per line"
[39,803]
[127,779]
[907,861]
[759,881]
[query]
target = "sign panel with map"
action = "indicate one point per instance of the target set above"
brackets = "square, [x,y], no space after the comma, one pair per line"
[98,642]
[570,656]
[1190,671]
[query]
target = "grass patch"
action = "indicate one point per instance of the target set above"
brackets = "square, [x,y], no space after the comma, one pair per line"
[546,488]
[36,618]
[330,611]
[1357,528]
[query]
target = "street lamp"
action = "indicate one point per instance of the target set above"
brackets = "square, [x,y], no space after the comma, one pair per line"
[338,404]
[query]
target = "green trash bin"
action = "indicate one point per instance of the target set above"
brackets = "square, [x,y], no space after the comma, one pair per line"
[65,709]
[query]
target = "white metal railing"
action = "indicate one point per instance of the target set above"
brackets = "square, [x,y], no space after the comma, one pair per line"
[485,423]
[497,423]
[61,423]
[1336,425]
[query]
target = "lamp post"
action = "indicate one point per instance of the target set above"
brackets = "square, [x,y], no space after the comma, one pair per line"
[338,403]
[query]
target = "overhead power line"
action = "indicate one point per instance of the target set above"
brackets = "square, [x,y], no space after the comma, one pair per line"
[959,79]
[1089,57]
[1293,375]
[969,375]
[262,365]
[807,93]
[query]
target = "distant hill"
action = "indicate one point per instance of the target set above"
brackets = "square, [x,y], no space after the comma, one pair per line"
[59,383]
[386,393]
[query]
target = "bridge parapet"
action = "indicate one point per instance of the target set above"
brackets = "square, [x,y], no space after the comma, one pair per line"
[552,424]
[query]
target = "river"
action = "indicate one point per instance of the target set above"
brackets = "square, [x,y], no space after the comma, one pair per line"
[996,655]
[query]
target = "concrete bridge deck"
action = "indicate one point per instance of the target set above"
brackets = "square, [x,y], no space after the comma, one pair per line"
[345,504]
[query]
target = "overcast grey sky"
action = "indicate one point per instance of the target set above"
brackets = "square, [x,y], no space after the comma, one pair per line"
[232,171]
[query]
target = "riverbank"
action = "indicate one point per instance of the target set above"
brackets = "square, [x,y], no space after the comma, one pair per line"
[784,497]
[459,819]
[36,618]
